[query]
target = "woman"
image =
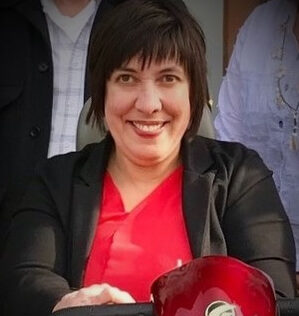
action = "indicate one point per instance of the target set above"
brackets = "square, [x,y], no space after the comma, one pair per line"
[99,225]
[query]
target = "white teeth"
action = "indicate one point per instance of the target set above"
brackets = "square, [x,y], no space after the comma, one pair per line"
[148,128]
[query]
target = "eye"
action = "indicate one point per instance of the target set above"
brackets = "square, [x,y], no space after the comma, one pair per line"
[170,79]
[125,78]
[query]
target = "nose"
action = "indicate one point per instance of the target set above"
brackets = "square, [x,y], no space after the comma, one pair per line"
[148,100]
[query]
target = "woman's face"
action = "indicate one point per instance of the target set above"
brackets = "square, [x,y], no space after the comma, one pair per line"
[147,111]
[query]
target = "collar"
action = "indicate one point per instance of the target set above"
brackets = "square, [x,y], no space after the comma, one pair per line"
[196,155]
[72,26]
[97,160]
[196,158]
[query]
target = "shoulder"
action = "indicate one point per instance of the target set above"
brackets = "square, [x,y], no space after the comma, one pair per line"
[260,28]
[234,171]
[235,166]
[266,12]
[229,154]
[265,18]
[66,164]
[85,164]
[17,11]
[54,179]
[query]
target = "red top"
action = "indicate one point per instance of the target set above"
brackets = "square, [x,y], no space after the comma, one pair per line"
[131,249]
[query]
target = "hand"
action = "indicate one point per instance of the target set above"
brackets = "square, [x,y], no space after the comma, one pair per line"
[96,294]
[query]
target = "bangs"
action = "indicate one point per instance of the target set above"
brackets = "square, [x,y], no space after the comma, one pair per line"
[151,45]
[158,49]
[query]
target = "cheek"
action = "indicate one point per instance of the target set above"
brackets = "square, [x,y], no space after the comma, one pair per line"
[113,109]
[180,102]
[180,107]
[115,105]
[185,105]
[113,116]
[118,101]
[186,114]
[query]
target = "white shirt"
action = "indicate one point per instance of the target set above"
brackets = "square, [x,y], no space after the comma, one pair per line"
[69,41]
[248,108]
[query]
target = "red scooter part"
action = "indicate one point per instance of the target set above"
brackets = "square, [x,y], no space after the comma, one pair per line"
[214,286]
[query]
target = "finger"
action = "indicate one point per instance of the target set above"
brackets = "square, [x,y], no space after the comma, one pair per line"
[114,295]
[97,294]
[106,293]
[119,297]
[82,297]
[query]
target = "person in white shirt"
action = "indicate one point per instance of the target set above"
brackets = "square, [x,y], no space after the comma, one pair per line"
[259,97]
[69,24]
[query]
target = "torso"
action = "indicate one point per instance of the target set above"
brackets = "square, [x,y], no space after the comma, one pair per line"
[130,241]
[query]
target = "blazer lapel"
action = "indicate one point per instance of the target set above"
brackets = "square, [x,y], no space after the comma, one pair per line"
[85,216]
[85,210]
[197,185]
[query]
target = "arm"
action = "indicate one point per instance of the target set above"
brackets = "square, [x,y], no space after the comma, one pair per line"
[34,260]
[256,227]
[228,121]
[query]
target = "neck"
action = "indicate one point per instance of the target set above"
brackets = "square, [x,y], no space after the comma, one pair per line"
[71,7]
[124,171]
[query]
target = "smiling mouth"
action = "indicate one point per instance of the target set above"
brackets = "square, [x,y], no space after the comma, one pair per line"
[149,127]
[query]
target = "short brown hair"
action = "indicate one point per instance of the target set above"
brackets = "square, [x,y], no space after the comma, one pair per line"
[152,30]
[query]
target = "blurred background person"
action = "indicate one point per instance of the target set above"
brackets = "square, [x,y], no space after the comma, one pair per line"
[43,86]
[259,97]
[99,225]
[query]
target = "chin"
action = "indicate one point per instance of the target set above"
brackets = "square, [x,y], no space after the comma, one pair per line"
[147,159]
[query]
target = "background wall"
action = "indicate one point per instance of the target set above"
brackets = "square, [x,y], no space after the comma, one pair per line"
[209,14]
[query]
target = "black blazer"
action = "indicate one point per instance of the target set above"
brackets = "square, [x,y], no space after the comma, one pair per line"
[230,207]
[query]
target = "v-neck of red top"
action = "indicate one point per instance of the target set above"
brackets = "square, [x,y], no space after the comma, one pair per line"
[131,249]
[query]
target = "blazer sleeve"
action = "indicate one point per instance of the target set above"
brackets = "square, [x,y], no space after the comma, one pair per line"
[34,259]
[256,227]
